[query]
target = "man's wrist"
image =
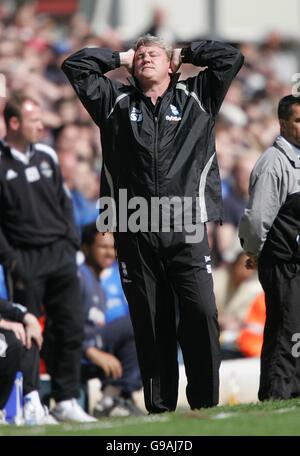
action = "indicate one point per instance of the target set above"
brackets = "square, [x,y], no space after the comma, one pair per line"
[123,56]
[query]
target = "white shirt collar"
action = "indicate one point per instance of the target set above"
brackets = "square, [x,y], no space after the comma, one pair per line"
[23,157]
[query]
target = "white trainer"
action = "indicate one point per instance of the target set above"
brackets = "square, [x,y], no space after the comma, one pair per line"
[70,411]
[46,419]
[36,416]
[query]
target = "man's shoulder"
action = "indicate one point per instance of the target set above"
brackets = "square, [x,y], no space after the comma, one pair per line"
[44,149]
[271,160]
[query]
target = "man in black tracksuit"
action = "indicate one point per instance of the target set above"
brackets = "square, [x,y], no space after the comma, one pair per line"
[157,138]
[38,241]
[270,235]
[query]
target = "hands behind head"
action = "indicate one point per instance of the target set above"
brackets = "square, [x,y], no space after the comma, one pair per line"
[127,60]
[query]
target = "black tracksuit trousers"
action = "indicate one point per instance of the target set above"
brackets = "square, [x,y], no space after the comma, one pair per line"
[280,361]
[46,279]
[169,288]
[18,358]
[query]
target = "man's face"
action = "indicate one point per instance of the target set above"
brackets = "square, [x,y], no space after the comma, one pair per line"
[102,252]
[290,129]
[151,63]
[30,127]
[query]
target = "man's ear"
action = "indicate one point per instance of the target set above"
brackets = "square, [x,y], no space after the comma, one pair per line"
[14,123]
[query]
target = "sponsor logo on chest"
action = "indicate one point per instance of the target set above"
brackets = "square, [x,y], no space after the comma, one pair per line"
[136,115]
[46,169]
[173,114]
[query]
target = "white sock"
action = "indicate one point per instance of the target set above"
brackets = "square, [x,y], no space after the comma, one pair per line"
[35,399]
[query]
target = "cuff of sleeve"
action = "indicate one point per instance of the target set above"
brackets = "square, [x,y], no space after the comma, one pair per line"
[186,55]
[117,59]
[88,344]
[19,312]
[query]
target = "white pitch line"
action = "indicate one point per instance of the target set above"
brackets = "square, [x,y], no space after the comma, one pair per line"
[84,426]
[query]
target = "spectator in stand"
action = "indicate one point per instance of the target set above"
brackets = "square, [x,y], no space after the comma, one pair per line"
[85,210]
[109,346]
[235,288]
[235,201]
[250,339]
[116,303]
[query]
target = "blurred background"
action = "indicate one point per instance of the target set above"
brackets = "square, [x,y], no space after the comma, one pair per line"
[36,36]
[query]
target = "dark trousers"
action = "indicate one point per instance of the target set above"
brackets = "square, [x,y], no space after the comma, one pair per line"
[280,361]
[17,358]
[118,339]
[46,279]
[169,288]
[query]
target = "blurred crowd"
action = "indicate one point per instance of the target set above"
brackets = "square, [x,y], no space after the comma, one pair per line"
[32,48]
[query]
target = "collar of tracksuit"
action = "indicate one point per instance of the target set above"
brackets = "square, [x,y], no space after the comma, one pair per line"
[16,154]
[290,150]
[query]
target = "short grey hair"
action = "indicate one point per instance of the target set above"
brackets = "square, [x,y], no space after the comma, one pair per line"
[150,40]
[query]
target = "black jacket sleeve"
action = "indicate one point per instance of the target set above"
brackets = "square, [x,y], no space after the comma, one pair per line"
[85,70]
[13,312]
[223,63]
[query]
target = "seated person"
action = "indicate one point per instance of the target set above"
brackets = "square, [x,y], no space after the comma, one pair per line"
[116,305]
[250,339]
[235,288]
[20,342]
[109,348]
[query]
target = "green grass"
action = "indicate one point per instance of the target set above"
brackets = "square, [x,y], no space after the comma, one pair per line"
[280,418]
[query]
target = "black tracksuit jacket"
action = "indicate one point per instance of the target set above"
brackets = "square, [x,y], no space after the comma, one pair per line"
[165,150]
[35,209]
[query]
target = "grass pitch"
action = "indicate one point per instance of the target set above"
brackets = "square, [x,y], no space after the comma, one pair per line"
[278,418]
